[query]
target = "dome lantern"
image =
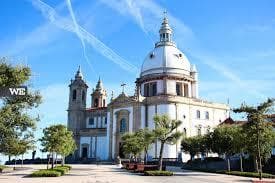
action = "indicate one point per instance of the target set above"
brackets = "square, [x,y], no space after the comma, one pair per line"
[165,32]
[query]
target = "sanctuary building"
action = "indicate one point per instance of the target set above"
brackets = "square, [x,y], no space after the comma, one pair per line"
[168,84]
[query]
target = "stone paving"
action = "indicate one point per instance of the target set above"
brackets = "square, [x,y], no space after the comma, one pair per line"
[113,174]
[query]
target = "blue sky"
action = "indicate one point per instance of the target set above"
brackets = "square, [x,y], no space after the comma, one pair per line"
[231,43]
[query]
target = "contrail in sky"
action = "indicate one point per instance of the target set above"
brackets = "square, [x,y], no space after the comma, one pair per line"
[79,35]
[63,23]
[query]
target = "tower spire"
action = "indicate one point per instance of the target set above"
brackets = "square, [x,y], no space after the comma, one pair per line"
[79,74]
[99,85]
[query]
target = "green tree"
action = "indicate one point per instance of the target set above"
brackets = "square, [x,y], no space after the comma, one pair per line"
[15,122]
[68,145]
[57,139]
[223,142]
[147,137]
[166,132]
[259,131]
[132,145]
[191,145]
[135,143]
[239,143]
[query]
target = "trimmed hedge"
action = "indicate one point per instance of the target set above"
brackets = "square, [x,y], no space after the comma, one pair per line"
[45,173]
[67,166]
[158,173]
[55,172]
[61,169]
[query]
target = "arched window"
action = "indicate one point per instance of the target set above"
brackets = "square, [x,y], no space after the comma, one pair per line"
[96,102]
[206,115]
[104,102]
[83,95]
[123,125]
[74,94]
[198,114]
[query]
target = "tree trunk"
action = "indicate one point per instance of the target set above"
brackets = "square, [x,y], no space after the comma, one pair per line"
[256,167]
[160,155]
[14,163]
[145,157]
[63,160]
[259,152]
[22,161]
[241,162]
[52,160]
[55,159]
[228,164]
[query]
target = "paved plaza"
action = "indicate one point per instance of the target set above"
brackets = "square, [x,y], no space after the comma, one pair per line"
[112,174]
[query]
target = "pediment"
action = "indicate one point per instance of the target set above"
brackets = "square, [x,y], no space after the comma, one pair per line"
[123,99]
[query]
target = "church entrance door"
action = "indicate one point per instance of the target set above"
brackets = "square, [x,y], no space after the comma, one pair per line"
[84,152]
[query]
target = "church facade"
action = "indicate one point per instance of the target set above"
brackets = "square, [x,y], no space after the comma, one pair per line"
[168,84]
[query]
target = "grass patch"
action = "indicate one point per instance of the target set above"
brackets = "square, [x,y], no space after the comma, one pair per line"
[158,173]
[45,173]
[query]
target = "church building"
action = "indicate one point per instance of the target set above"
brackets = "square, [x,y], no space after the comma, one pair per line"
[167,84]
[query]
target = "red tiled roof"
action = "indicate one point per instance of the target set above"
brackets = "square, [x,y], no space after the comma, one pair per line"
[230,121]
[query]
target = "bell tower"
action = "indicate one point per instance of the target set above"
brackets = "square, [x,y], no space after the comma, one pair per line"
[77,101]
[99,96]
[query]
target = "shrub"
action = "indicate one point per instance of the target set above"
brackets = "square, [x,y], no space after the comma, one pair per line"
[2,167]
[158,173]
[67,166]
[45,173]
[62,170]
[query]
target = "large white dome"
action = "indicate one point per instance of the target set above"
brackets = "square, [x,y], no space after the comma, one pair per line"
[165,59]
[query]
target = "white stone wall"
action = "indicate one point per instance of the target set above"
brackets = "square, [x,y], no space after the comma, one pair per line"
[97,147]
[102,148]
[142,118]
[171,87]
[160,88]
